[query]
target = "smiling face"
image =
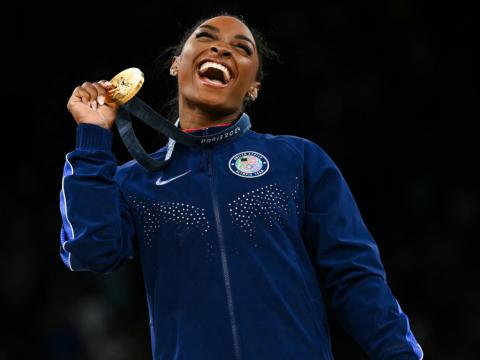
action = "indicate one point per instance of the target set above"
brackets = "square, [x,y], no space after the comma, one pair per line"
[217,67]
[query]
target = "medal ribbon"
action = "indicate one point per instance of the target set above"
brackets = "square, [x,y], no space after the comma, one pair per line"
[146,114]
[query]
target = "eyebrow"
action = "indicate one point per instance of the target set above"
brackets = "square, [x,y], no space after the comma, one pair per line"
[238,36]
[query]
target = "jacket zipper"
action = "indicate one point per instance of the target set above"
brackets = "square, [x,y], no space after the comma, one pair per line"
[223,255]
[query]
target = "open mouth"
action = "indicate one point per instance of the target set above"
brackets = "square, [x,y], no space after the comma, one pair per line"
[214,74]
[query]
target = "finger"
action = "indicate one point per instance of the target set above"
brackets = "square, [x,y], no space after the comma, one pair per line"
[106,84]
[82,94]
[101,93]
[109,88]
[92,91]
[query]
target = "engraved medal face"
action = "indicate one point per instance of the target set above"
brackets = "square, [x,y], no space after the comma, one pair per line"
[126,85]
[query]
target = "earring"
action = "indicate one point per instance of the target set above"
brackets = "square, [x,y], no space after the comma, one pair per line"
[173,71]
[253,94]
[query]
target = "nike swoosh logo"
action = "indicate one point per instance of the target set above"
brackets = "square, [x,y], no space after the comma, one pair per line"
[159,181]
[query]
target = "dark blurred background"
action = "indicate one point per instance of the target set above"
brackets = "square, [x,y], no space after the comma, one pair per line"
[385,87]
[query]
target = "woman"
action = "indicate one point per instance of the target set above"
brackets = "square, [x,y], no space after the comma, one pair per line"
[231,238]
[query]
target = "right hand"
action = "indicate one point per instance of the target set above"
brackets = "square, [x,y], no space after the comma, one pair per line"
[87,104]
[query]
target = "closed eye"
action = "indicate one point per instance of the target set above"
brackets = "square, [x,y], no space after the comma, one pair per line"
[246,48]
[203,34]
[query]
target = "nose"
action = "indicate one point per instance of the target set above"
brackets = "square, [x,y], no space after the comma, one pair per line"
[220,50]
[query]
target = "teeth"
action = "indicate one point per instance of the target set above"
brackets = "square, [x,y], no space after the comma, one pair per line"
[209,64]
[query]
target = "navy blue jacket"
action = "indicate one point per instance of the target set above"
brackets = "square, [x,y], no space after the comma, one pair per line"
[239,246]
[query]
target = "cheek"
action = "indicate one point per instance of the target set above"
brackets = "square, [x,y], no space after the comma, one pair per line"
[185,69]
[248,77]
[249,69]
[186,59]
[185,76]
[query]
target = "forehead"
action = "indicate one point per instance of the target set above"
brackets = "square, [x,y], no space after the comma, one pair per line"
[228,24]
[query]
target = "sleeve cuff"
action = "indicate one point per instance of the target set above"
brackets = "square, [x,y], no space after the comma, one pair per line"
[93,137]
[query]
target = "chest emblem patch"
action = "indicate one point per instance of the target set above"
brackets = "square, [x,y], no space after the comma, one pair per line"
[248,164]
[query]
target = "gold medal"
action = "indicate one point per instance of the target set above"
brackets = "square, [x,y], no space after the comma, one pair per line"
[126,85]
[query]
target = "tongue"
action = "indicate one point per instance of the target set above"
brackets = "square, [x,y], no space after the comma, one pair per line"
[213,81]
[213,74]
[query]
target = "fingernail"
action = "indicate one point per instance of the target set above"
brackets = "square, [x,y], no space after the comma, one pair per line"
[94,105]
[101,99]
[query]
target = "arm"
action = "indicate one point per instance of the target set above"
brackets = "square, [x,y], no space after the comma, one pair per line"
[348,263]
[97,227]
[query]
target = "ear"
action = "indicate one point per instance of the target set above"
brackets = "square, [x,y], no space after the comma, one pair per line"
[253,92]
[174,66]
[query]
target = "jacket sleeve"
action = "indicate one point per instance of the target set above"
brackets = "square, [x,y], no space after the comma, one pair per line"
[97,227]
[348,263]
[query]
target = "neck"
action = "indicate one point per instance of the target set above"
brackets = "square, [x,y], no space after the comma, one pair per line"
[194,117]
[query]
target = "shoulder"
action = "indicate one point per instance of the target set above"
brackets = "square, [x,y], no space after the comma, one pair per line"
[302,146]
